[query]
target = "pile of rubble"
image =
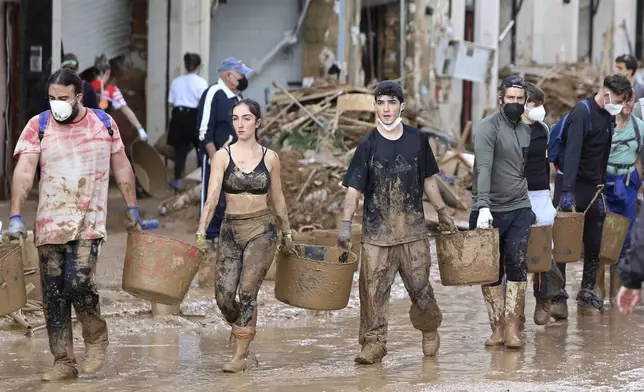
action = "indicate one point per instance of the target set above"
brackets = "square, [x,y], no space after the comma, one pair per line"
[326,115]
[563,84]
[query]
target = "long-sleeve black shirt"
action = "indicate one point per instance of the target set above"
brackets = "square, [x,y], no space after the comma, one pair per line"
[214,115]
[537,167]
[586,153]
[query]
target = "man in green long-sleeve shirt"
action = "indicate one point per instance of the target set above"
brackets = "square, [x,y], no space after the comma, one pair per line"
[500,200]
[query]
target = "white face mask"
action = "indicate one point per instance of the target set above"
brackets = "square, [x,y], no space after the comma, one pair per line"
[393,125]
[61,110]
[613,108]
[536,114]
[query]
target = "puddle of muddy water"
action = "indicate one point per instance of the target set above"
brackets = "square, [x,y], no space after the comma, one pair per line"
[299,350]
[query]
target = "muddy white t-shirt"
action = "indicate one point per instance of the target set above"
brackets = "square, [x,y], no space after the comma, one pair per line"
[74,177]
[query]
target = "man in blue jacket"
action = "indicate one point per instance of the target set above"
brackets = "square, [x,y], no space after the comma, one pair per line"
[214,119]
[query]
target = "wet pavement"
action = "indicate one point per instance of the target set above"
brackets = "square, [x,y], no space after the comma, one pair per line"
[299,350]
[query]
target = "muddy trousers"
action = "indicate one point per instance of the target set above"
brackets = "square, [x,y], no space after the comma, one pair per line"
[593,225]
[514,234]
[377,272]
[247,244]
[67,276]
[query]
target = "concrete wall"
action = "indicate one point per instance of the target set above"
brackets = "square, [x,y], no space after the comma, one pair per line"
[555,31]
[523,26]
[247,29]
[486,32]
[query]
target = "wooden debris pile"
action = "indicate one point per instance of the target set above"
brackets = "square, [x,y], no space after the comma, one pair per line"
[313,191]
[563,84]
[328,114]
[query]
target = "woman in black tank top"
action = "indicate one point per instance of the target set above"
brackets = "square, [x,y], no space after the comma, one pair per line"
[247,173]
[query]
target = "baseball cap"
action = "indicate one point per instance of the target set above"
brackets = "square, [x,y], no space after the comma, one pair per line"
[391,88]
[233,64]
[513,81]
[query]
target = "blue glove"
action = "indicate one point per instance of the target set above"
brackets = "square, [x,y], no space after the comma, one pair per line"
[567,201]
[133,223]
[16,227]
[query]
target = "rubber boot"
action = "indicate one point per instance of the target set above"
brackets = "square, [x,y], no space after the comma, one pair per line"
[372,352]
[514,302]
[494,302]
[615,283]
[61,371]
[600,282]
[431,343]
[243,337]
[542,311]
[559,307]
[94,358]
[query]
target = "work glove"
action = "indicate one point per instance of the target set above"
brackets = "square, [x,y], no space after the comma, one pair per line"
[201,242]
[567,201]
[133,221]
[445,221]
[143,136]
[485,219]
[287,240]
[344,234]
[16,227]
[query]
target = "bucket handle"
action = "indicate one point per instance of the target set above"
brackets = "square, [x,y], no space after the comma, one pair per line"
[306,228]
[600,188]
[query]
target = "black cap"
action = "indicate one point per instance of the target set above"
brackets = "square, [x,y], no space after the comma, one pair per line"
[390,88]
[513,81]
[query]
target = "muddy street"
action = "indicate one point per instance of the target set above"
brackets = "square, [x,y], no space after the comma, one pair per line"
[299,350]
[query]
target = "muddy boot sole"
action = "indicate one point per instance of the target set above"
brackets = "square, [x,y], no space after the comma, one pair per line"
[431,343]
[60,372]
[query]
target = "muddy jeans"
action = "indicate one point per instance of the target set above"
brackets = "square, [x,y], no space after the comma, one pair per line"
[377,273]
[514,234]
[247,244]
[593,226]
[67,276]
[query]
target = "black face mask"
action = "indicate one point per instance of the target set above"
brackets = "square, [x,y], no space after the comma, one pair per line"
[513,111]
[242,84]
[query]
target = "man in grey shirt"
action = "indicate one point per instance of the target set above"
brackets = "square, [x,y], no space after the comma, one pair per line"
[500,200]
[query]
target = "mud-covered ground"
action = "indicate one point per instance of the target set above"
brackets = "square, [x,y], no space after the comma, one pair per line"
[299,350]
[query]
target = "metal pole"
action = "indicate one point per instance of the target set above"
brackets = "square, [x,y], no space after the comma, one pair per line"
[403,40]
[342,27]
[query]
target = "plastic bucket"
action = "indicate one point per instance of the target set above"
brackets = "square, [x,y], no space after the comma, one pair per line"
[321,237]
[159,269]
[567,234]
[314,278]
[613,236]
[540,249]
[468,257]
[13,294]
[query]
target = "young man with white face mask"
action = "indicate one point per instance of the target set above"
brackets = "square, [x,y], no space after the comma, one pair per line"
[581,171]
[76,151]
[537,173]
[392,166]
[500,200]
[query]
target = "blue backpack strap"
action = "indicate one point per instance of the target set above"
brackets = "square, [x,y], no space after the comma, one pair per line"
[105,119]
[43,120]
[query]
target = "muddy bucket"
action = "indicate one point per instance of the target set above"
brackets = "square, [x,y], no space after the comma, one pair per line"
[567,234]
[13,294]
[314,278]
[540,249]
[613,236]
[159,269]
[468,257]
